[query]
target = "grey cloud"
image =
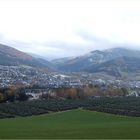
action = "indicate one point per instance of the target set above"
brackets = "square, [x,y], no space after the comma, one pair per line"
[87,36]
[56,49]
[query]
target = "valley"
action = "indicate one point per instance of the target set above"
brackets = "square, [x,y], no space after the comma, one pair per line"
[70,69]
[70,97]
[117,63]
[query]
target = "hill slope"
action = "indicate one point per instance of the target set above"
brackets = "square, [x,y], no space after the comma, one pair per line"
[74,124]
[11,56]
[112,61]
[117,66]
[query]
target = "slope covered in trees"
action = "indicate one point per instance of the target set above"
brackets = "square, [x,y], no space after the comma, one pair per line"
[122,106]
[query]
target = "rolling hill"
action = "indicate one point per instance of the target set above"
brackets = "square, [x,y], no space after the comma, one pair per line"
[74,124]
[12,57]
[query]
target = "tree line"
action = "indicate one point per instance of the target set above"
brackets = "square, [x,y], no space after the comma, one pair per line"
[87,92]
[18,93]
[12,94]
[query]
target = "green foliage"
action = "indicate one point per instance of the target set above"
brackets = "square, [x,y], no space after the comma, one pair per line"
[4,115]
[123,106]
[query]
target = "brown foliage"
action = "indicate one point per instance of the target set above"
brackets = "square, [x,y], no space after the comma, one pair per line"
[87,91]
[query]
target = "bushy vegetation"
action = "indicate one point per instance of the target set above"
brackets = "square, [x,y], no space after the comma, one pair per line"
[4,115]
[21,109]
[11,94]
[123,106]
[129,106]
[35,107]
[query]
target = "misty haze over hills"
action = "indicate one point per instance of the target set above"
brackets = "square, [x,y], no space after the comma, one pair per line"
[115,62]
[72,36]
[57,28]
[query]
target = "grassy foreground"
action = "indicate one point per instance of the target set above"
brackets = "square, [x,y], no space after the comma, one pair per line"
[71,124]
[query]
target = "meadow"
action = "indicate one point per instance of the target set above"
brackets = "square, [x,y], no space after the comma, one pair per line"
[77,123]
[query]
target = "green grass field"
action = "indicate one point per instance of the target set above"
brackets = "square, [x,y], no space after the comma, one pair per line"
[71,124]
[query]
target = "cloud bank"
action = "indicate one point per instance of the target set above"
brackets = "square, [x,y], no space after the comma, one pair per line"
[60,28]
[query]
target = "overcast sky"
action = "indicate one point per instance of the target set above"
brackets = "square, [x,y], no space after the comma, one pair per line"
[59,28]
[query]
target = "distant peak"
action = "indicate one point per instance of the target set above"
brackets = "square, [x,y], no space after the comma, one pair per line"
[96,51]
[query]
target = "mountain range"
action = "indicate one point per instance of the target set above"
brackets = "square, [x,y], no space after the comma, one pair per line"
[115,62]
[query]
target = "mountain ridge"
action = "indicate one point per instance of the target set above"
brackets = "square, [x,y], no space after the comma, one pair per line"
[113,61]
[11,56]
[96,57]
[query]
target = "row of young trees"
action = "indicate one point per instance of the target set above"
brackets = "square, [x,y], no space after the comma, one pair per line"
[121,105]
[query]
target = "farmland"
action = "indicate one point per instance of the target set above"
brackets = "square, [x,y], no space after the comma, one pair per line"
[77,123]
[119,106]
